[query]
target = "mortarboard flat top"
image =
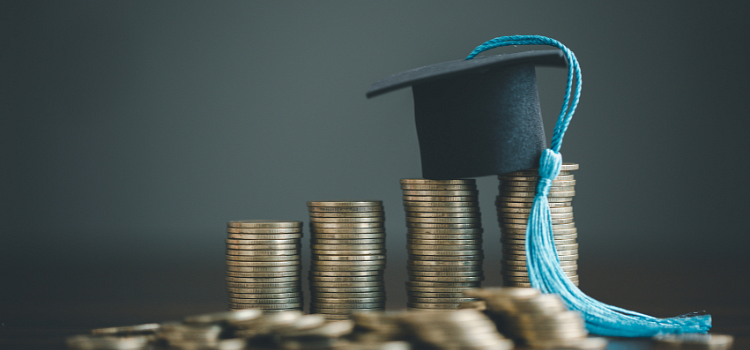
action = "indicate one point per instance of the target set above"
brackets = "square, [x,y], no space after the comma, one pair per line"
[477,117]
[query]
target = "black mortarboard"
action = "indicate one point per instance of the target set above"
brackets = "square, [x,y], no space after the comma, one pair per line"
[477,117]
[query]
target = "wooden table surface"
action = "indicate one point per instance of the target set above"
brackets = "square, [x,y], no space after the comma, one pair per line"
[38,312]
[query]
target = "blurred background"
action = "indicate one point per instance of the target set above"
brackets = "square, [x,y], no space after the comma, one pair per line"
[132,131]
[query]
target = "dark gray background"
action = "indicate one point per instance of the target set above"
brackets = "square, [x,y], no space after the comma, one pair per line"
[132,131]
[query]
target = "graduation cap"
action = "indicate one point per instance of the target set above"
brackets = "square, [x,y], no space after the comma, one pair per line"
[481,116]
[477,117]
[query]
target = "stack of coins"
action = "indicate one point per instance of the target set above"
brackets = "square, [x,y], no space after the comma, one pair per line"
[517,191]
[444,242]
[348,257]
[535,319]
[263,265]
[455,329]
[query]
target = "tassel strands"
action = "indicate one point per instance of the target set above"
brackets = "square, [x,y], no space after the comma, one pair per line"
[543,264]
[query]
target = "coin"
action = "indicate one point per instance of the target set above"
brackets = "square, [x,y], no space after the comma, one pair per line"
[432,305]
[317,231]
[352,209]
[264,223]
[533,183]
[413,214]
[349,252]
[261,280]
[445,273]
[444,268]
[348,289]
[356,214]
[238,305]
[436,295]
[347,268]
[437,187]
[464,231]
[412,284]
[472,193]
[529,204]
[444,220]
[555,230]
[347,263]
[262,257]
[314,226]
[447,257]
[448,237]
[346,278]
[410,205]
[523,241]
[444,263]
[339,247]
[440,300]
[446,279]
[348,257]
[243,295]
[523,263]
[411,209]
[317,220]
[444,252]
[263,268]
[314,272]
[528,210]
[264,230]
[262,263]
[445,241]
[252,236]
[523,257]
[377,294]
[262,246]
[439,198]
[440,182]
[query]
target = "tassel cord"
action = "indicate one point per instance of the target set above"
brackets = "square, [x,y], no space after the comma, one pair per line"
[543,263]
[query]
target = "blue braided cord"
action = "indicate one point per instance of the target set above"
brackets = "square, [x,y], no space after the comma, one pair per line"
[542,261]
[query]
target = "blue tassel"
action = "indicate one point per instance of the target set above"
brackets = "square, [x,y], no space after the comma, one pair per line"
[542,262]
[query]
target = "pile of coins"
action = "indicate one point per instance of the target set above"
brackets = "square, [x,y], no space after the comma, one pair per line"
[535,319]
[263,265]
[444,241]
[348,257]
[517,191]
[456,329]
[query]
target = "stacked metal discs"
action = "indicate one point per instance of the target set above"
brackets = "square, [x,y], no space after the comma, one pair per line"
[263,265]
[517,191]
[348,257]
[444,242]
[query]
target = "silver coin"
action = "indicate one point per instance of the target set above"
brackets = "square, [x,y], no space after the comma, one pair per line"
[436,290]
[263,257]
[411,284]
[443,247]
[445,241]
[439,231]
[408,205]
[523,226]
[446,279]
[432,306]
[556,237]
[420,214]
[348,306]
[504,204]
[347,300]
[265,301]
[345,203]
[446,193]
[470,207]
[262,247]
[284,230]
[523,263]
[475,273]
[438,182]
[517,198]
[338,247]
[518,268]
[526,274]
[346,273]
[435,295]
[447,258]
[239,306]
[263,263]
[263,274]
[265,291]
[273,242]
[358,284]
[316,209]
[345,278]
[264,223]
[316,226]
[256,285]
[443,226]
[346,290]
[555,183]
[377,294]
[504,188]
[348,241]
[241,295]
[444,252]
[348,257]
[347,268]
[444,220]
[440,300]
[446,237]
[432,268]
[438,187]
[555,230]
[348,263]
[349,252]
[439,263]
[261,280]
[263,268]
[357,214]
[378,219]
[523,241]
[352,230]
[263,236]
[263,252]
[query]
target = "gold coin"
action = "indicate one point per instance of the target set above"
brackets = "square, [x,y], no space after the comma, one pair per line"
[567,177]
[280,236]
[368,214]
[472,193]
[379,219]
[438,182]
[436,187]
[341,203]
[264,230]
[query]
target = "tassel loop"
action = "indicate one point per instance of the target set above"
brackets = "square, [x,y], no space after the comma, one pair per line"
[549,167]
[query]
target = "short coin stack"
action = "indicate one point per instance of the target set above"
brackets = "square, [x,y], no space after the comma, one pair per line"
[455,329]
[348,257]
[444,242]
[535,319]
[517,191]
[263,265]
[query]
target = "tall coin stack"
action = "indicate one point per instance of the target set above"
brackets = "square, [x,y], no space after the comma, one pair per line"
[444,242]
[517,191]
[348,257]
[263,265]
